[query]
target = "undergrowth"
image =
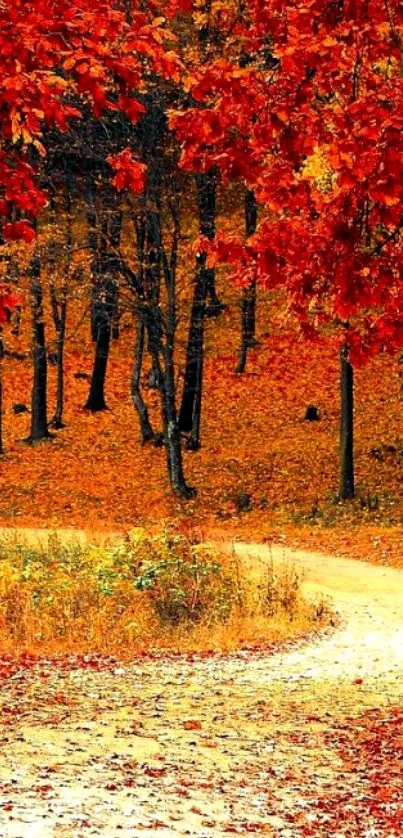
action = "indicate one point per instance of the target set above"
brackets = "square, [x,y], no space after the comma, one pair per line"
[147,593]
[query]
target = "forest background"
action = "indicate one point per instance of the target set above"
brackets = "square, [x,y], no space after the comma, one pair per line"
[202,213]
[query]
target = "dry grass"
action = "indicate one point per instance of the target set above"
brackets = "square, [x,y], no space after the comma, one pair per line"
[149,593]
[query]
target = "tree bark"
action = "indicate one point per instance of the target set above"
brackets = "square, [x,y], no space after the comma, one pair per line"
[59,308]
[39,421]
[346,427]
[157,265]
[106,270]
[172,433]
[59,318]
[152,272]
[147,432]
[191,406]
[248,300]
[114,232]
[93,247]
[102,325]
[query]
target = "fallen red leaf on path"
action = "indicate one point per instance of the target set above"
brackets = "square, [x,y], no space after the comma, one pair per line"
[192,724]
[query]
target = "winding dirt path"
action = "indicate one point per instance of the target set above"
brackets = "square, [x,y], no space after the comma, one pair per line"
[203,748]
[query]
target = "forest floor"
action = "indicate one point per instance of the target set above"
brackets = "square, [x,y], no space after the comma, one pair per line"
[255,445]
[304,742]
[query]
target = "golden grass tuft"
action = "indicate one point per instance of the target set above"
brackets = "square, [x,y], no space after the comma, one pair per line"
[148,593]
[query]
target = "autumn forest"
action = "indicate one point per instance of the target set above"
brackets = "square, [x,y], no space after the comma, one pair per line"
[201,384]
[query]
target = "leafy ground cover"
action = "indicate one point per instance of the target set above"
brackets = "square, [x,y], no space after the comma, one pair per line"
[262,473]
[301,743]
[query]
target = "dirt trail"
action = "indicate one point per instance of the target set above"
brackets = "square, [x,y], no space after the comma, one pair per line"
[113,754]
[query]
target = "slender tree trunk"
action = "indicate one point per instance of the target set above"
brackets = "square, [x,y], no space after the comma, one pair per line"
[156,264]
[152,272]
[93,247]
[104,305]
[114,232]
[248,300]
[57,421]
[191,406]
[147,432]
[190,411]
[174,448]
[346,427]
[96,399]
[166,373]
[172,433]
[39,421]
[59,310]
[59,318]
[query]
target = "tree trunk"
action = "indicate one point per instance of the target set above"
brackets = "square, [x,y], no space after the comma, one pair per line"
[346,427]
[93,247]
[191,406]
[105,270]
[166,373]
[96,399]
[248,300]
[190,412]
[39,421]
[114,232]
[147,432]
[59,318]
[154,265]
[172,434]
[152,270]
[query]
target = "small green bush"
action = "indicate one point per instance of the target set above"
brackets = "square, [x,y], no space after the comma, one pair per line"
[187,589]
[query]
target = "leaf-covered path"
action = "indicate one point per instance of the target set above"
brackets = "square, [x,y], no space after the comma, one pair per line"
[304,742]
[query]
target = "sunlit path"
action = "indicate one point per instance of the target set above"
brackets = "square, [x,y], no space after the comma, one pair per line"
[206,747]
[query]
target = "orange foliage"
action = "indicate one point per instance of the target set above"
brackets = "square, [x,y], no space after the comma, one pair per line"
[95,474]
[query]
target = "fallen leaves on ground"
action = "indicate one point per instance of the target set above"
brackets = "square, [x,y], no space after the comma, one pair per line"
[306,743]
[255,443]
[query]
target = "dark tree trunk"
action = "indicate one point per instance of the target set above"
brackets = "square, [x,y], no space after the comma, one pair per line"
[106,270]
[172,435]
[93,247]
[152,273]
[39,421]
[155,264]
[173,443]
[59,307]
[190,411]
[346,427]
[96,399]
[162,342]
[248,300]
[114,232]
[57,421]
[59,318]
[147,432]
